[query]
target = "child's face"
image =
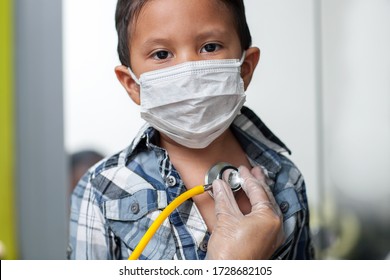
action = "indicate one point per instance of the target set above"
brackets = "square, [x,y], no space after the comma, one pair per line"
[168,32]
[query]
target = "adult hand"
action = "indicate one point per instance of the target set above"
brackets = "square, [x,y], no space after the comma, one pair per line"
[253,236]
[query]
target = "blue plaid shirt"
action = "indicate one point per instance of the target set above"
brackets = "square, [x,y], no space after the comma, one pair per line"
[118,199]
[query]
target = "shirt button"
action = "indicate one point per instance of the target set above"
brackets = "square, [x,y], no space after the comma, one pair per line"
[284,206]
[134,208]
[171,181]
[203,246]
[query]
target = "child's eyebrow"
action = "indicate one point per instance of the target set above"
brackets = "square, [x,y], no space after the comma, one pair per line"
[214,33]
[155,41]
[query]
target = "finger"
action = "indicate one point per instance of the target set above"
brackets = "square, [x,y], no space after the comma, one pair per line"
[224,199]
[260,173]
[253,187]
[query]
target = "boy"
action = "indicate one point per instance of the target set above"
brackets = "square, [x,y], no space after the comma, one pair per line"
[187,64]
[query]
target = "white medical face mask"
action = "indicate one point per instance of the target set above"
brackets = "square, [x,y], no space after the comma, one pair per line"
[194,102]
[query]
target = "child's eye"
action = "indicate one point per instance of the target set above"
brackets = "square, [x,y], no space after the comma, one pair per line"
[212,47]
[160,55]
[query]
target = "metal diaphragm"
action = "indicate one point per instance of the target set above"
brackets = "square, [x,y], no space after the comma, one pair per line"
[226,172]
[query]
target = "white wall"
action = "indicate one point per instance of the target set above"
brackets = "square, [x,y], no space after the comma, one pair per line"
[357,100]
[98,112]
[283,90]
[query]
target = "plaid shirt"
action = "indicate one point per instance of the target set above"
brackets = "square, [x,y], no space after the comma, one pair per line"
[118,199]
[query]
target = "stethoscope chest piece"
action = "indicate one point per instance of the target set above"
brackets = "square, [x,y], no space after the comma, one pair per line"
[226,172]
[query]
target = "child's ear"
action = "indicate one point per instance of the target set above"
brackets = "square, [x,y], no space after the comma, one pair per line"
[249,64]
[132,88]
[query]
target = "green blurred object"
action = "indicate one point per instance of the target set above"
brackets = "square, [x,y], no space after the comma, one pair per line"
[7,209]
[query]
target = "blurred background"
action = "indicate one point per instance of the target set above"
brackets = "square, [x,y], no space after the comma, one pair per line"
[322,86]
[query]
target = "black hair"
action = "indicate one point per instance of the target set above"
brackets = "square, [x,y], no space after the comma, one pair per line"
[84,157]
[127,12]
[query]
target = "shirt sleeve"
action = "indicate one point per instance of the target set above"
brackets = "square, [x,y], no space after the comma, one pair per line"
[290,194]
[89,236]
[304,248]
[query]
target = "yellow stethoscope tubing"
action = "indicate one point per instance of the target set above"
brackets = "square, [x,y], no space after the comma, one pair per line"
[161,218]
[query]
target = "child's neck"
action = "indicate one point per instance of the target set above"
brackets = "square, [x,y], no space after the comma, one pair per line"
[193,164]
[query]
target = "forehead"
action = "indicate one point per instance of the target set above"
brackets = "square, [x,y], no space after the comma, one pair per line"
[177,16]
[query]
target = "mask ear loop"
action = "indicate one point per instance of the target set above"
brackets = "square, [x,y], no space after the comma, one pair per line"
[242,57]
[133,76]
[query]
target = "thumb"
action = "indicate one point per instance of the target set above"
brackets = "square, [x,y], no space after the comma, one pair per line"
[224,199]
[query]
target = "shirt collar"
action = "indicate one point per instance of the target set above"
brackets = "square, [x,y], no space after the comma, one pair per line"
[249,122]
[258,141]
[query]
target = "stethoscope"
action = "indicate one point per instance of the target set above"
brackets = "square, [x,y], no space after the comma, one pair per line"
[226,172]
[221,170]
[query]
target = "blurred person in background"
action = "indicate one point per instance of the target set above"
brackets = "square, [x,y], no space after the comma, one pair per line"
[80,162]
